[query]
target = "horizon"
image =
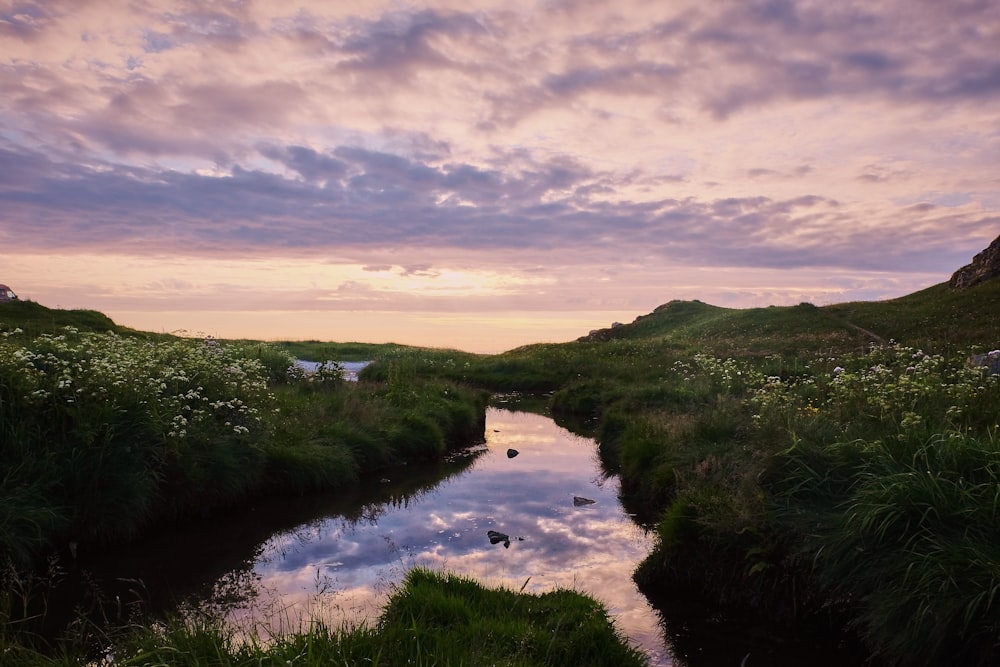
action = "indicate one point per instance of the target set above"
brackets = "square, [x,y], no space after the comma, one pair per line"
[434,320]
[485,175]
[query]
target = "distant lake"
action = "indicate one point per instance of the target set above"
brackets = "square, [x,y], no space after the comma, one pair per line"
[351,368]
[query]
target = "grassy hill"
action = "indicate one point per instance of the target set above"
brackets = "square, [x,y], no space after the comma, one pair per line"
[35,319]
[937,318]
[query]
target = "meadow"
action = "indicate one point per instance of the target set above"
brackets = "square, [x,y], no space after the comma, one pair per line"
[822,467]
[105,434]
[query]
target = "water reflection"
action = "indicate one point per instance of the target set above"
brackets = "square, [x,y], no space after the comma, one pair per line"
[338,557]
[214,557]
[342,568]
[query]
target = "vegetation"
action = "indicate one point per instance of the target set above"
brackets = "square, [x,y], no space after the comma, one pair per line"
[102,434]
[433,619]
[818,466]
[314,350]
[32,319]
[834,466]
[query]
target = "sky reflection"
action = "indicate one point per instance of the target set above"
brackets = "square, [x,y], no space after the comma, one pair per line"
[343,570]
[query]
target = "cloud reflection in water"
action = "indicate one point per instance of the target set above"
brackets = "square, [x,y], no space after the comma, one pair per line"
[344,569]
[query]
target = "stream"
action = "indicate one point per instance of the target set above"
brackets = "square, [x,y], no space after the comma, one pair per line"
[274,565]
[565,525]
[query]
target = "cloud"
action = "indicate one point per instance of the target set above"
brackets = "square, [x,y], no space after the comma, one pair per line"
[398,43]
[581,141]
[352,197]
[25,20]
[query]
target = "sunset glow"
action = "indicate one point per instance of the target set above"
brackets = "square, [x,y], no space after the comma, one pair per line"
[486,174]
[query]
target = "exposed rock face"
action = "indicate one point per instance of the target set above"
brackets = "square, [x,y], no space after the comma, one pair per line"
[984,266]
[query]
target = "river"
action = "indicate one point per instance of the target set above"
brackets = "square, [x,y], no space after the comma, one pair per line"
[274,565]
[562,515]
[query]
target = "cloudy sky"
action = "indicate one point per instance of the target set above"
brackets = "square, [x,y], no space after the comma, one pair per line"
[482,174]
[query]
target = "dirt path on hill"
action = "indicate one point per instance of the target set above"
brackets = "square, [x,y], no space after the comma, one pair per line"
[871,334]
[847,323]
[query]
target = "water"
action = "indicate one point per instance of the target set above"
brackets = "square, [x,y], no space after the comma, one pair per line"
[350,368]
[342,568]
[338,557]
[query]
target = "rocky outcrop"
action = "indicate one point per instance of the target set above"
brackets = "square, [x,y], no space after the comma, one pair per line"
[984,266]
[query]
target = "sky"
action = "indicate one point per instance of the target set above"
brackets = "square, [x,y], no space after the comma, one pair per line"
[485,174]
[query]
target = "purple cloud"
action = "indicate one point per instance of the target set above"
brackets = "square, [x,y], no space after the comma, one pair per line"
[762,133]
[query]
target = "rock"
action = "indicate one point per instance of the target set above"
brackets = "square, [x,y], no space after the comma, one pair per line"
[511,453]
[497,537]
[984,266]
[580,500]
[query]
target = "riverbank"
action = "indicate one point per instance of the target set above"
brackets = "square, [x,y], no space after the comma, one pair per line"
[103,435]
[793,468]
[433,619]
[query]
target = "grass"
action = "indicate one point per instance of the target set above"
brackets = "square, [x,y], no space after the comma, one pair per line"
[33,319]
[812,465]
[104,434]
[815,466]
[431,619]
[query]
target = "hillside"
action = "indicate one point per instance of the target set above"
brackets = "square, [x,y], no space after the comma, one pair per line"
[939,318]
[34,319]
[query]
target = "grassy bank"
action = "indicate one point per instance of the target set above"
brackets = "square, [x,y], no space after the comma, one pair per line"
[431,619]
[799,462]
[103,434]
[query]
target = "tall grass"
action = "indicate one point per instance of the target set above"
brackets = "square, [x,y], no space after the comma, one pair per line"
[853,484]
[867,487]
[104,433]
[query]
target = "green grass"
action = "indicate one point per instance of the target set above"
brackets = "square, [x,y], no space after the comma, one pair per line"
[431,619]
[805,463]
[937,318]
[314,350]
[808,464]
[34,319]
[105,434]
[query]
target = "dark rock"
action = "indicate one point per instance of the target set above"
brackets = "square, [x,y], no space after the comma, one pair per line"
[580,500]
[511,453]
[497,537]
[984,266]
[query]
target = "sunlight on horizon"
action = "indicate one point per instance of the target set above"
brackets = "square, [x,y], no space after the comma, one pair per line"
[481,333]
